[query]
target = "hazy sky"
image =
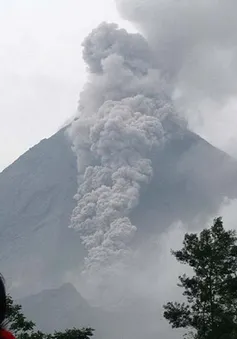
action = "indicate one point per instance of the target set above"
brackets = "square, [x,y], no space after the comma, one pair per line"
[41,68]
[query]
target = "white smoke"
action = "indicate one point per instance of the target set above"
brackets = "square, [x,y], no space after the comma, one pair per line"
[194,43]
[125,106]
[120,122]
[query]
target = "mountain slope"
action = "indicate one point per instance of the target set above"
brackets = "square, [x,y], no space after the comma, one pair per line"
[63,308]
[37,249]
[191,179]
[36,200]
[57,309]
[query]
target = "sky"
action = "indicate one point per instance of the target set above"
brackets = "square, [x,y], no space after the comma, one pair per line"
[41,67]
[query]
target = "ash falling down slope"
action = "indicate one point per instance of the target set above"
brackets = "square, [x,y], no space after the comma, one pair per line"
[126,119]
[122,116]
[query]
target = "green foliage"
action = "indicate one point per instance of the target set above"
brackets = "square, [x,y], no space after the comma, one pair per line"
[16,321]
[74,333]
[211,293]
[25,329]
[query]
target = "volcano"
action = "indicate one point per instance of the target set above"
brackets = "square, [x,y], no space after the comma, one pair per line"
[37,249]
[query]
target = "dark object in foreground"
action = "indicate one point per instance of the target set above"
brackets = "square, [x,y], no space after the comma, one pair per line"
[211,293]
[25,329]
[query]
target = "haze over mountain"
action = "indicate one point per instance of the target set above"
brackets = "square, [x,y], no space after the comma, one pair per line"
[127,175]
[38,250]
[47,305]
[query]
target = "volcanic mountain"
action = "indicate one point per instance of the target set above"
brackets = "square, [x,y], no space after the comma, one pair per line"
[37,198]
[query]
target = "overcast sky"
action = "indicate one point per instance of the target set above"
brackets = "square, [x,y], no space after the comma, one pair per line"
[41,68]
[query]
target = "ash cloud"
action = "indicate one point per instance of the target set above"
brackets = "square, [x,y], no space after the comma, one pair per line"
[187,54]
[194,45]
[121,114]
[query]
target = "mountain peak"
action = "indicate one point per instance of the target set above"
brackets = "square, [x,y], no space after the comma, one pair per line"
[191,178]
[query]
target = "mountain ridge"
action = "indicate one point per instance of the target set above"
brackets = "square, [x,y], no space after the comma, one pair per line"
[191,179]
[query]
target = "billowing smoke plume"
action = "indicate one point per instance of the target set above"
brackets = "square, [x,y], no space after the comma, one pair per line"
[121,115]
[195,45]
[194,41]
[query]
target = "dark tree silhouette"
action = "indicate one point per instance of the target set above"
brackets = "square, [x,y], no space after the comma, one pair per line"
[211,293]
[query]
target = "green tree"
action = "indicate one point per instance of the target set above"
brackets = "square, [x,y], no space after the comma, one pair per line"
[25,329]
[74,333]
[16,321]
[210,311]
